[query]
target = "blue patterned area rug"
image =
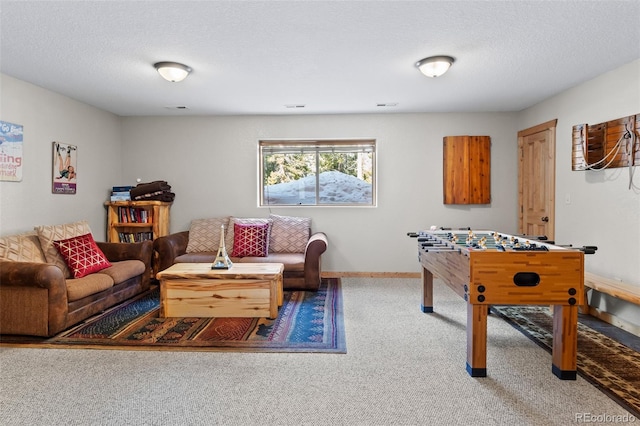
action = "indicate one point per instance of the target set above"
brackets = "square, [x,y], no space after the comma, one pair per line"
[307,322]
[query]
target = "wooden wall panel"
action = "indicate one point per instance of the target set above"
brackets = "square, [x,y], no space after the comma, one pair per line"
[466,169]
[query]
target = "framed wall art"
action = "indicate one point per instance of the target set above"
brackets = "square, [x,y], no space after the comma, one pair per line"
[65,166]
[10,151]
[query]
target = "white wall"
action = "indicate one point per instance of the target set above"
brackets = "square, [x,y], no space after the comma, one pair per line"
[603,211]
[47,117]
[211,163]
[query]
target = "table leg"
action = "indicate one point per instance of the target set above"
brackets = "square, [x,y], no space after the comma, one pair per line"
[163,299]
[477,340]
[280,290]
[274,295]
[427,291]
[565,341]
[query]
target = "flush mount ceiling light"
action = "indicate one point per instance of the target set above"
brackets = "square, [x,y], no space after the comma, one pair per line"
[434,66]
[172,71]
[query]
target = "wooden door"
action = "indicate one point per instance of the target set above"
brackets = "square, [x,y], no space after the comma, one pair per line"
[536,180]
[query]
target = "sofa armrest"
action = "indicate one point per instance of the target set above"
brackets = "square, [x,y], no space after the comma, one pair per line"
[30,274]
[316,245]
[169,247]
[142,251]
[33,298]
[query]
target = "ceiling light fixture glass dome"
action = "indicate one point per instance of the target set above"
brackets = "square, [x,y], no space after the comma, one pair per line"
[435,66]
[172,71]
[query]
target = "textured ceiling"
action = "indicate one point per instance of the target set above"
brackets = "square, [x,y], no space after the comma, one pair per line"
[255,57]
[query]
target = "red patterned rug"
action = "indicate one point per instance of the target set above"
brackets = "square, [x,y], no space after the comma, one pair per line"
[307,322]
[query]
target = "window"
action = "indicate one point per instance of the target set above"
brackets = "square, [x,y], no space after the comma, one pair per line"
[317,173]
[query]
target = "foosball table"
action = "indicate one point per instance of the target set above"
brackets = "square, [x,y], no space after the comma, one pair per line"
[490,268]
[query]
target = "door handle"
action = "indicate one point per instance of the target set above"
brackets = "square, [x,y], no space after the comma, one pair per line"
[545,218]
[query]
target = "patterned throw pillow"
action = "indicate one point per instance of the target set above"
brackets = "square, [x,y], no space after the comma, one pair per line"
[204,234]
[82,255]
[48,234]
[228,239]
[250,240]
[22,248]
[289,234]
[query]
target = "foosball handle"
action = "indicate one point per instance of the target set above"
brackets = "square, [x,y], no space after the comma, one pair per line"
[584,249]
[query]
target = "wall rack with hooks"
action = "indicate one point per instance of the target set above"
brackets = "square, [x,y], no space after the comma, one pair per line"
[611,144]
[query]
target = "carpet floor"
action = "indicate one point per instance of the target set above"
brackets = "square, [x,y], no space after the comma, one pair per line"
[307,322]
[403,367]
[611,366]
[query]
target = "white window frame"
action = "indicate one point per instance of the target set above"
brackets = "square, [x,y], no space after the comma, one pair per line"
[267,146]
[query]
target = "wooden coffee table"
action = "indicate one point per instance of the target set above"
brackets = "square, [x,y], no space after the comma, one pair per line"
[244,290]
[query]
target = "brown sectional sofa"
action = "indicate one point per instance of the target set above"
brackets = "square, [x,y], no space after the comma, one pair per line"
[39,298]
[302,268]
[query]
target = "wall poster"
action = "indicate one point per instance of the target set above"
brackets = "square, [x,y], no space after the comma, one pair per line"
[10,151]
[65,159]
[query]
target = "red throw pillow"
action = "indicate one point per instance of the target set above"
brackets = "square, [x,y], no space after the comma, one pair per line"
[250,240]
[82,255]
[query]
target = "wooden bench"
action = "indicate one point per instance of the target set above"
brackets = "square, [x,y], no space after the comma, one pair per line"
[617,289]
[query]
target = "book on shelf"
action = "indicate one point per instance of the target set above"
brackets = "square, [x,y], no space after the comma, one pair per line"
[135,237]
[121,193]
[134,215]
[123,197]
[122,188]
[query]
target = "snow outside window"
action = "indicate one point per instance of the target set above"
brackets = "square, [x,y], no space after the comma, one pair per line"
[317,172]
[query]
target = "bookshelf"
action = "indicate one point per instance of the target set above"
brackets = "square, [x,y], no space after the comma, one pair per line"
[134,221]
